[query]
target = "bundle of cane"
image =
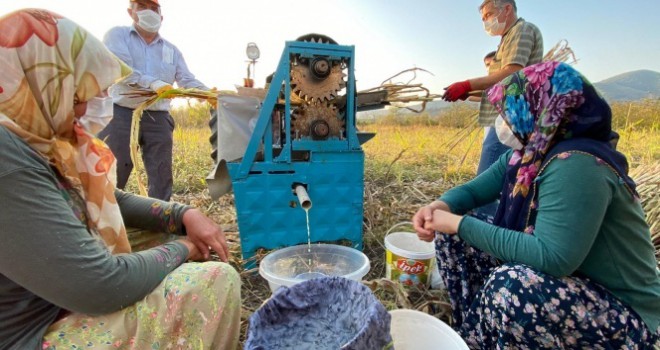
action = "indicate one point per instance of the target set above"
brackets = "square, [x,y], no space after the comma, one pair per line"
[405,92]
[211,96]
[561,52]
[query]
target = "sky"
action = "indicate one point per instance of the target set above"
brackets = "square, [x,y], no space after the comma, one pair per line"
[446,38]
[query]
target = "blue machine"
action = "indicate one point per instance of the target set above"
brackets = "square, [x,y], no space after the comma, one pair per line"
[305,135]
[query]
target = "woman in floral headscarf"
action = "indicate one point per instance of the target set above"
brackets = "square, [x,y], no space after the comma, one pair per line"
[65,255]
[568,261]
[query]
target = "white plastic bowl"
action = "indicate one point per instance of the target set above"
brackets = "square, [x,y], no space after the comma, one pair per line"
[291,265]
[416,330]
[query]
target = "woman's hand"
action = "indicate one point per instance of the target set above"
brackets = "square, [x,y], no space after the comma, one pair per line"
[424,217]
[193,253]
[205,234]
[444,221]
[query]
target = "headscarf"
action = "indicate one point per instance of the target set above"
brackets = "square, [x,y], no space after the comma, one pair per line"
[554,111]
[48,62]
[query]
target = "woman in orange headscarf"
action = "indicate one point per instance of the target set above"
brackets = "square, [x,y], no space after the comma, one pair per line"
[67,274]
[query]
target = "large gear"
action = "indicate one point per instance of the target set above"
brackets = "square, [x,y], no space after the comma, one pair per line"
[306,84]
[316,121]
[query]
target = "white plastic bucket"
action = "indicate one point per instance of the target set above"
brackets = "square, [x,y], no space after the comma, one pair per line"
[408,259]
[416,330]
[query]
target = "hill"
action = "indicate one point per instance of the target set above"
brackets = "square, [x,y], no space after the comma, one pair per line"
[631,86]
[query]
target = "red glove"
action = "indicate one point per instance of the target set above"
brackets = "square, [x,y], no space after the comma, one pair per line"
[457,91]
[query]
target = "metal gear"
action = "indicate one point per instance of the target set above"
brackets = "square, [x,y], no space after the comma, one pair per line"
[317,121]
[316,38]
[318,84]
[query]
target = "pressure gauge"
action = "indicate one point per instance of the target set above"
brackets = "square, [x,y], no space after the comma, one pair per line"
[252,51]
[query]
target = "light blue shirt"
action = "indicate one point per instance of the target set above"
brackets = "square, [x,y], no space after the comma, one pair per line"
[160,60]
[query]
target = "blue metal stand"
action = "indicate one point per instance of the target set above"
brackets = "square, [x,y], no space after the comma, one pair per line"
[332,170]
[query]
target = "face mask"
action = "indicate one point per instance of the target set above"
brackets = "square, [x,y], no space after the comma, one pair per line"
[149,20]
[494,27]
[505,134]
[98,115]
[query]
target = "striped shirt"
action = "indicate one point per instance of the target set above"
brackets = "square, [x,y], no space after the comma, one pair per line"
[159,60]
[522,44]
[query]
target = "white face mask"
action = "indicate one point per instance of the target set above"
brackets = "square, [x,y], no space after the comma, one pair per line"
[98,115]
[505,134]
[149,20]
[494,27]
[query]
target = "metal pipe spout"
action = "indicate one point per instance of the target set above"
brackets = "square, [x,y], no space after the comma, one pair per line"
[303,196]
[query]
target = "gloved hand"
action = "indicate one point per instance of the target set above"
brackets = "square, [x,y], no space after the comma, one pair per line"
[457,91]
[160,87]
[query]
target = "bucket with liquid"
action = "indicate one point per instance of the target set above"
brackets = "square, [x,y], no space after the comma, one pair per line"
[409,260]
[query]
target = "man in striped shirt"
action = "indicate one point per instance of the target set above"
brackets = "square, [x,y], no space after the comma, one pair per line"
[521,45]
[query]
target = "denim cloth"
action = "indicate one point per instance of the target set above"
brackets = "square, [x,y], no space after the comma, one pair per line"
[156,142]
[491,150]
[321,313]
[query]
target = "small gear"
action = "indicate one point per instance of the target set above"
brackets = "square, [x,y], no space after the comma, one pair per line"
[318,84]
[316,121]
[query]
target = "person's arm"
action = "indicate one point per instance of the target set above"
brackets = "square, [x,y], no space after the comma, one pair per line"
[481,190]
[184,77]
[156,215]
[49,252]
[487,81]
[574,194]
[116,41]
[151,214]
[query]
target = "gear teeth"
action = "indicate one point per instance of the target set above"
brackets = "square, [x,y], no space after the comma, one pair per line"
[323,91]
[304,116]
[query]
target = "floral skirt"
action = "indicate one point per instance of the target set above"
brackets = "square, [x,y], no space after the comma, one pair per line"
[197,306]
[513,306]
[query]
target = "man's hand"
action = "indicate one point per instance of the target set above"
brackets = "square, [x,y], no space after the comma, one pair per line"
[213,101]
[457,91]
[205,234]
[160,87]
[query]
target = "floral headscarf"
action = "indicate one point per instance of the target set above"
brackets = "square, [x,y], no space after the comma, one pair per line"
[48,62]
[552,109]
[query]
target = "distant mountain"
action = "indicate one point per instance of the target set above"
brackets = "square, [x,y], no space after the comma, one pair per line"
[631,86]
[432,108]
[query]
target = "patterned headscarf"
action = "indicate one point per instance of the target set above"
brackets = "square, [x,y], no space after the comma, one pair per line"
[48,62]
[553,110]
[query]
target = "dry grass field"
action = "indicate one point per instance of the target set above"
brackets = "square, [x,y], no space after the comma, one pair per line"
[408,164]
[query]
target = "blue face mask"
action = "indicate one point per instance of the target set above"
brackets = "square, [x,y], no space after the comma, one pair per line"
[98,115]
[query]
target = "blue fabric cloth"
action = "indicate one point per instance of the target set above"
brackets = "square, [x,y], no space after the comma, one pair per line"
[159,60]
[321,313]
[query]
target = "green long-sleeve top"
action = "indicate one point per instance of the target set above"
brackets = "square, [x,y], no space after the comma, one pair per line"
[48,259]
[587,223]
